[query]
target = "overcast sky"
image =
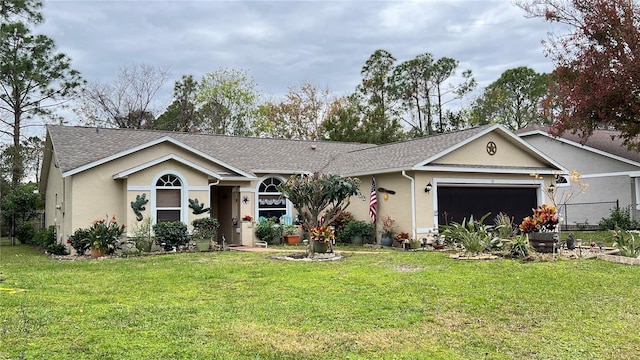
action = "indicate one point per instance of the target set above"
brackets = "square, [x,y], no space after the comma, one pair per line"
[282,43]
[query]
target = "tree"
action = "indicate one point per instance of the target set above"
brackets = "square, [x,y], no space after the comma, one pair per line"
[20,205]
[378,99]
[414,88]
[125,103]
[29,153]
[227,101]
[182,114]
[424,86]
[514,100]
[35,78]
[446,92]
[597,65]
[300,115]
[319,198]
[344,122]
[21,10]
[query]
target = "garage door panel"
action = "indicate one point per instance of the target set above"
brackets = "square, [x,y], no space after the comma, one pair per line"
[457,202]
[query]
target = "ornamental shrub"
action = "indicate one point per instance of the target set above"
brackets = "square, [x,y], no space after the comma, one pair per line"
[57,249]
[25,233]
[266,230]
[171,234]
[619,218]
[104,234]
[45,237]
[80,241]
[205,228]
[356,227]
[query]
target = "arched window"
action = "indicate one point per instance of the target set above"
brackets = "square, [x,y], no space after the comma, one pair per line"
[168,198]
[269,202]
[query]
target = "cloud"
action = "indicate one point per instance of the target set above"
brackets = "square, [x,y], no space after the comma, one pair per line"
[282,43]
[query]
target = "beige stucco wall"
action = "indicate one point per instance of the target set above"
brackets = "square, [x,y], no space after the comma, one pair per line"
[54,198]
[475,153]
[158,151]
[399,207]
[95,194]
[97,186]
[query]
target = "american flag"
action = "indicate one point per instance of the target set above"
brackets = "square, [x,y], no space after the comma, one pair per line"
[373,200]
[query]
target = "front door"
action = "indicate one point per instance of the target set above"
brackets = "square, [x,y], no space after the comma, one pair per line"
[222,198]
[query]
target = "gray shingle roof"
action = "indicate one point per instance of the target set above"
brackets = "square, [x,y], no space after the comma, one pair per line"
[400,155]
[78,147]
[604,140]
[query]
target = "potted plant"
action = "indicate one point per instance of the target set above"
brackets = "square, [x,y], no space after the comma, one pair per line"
[388,231]
[401,238]
[267,231]
[103,236]
[356,231]
[541,228]
[204,232]
[291,234]
[322,236]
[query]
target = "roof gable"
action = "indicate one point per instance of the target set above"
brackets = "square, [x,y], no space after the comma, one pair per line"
[417,154]
[150,144]
[126,173]
[494,148]
[604,142]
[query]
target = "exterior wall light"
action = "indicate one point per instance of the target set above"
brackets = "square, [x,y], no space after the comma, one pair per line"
[552,188]
[428,188]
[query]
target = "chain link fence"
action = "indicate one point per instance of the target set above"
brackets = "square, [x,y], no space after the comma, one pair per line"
[587,215]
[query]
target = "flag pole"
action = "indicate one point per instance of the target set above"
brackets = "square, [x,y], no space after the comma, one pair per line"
[373,204]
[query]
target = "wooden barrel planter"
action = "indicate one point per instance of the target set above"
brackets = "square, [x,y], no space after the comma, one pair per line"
[320,247]
[543,241]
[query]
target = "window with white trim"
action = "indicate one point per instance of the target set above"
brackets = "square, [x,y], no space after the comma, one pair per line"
[168,198]
[270,203]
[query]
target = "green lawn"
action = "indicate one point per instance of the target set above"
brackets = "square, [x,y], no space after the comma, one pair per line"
[384,305]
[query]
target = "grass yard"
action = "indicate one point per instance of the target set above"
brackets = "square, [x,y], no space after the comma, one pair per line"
[385,305]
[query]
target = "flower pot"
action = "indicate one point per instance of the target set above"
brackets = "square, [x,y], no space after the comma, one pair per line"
[386,241]
[357,239]
[320,246]
[202,244]
[543,241]
[292,239]
[96,253]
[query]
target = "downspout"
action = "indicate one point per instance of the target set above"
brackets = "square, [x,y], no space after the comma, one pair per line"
[413,204]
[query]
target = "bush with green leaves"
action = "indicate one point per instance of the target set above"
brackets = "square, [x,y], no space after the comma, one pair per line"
[45,236]
[57,249]
[171,234]
[628,242]
[206,227]
[25,233]
[355,228]
[104,234]
[504,226]
[519,246]
[473,235]
[266,230]
[619,218]
[80,241]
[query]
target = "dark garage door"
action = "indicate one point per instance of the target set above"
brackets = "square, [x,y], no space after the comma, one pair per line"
[456,203]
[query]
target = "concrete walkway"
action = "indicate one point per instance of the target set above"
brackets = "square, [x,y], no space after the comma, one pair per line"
[263,249]
[295,250]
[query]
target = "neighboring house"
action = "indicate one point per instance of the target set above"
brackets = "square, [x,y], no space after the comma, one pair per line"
[610,169]
[89,173]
